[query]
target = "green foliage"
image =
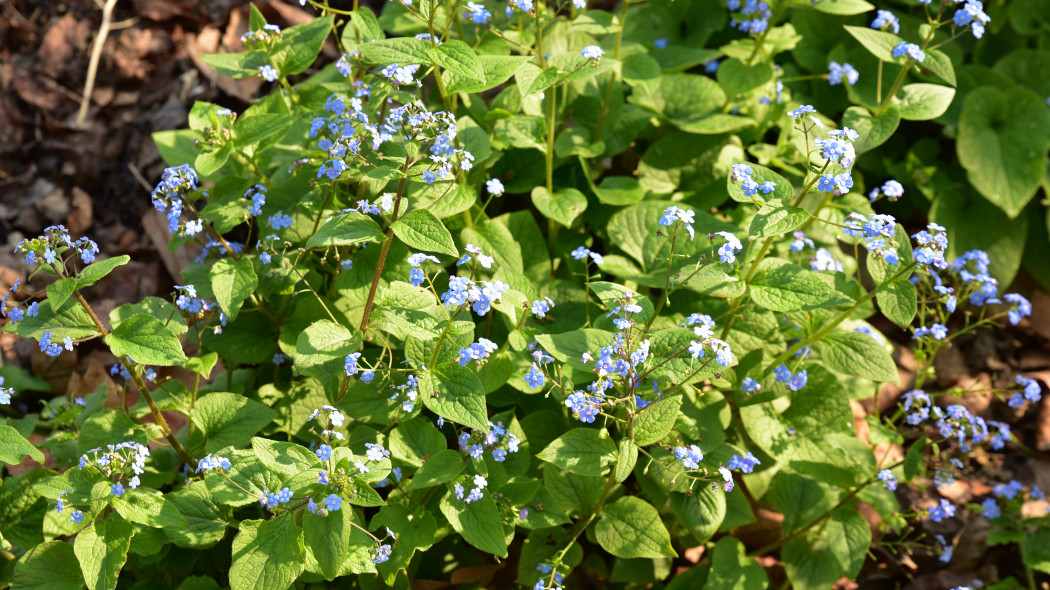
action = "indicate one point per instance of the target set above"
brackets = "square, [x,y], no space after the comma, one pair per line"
[472,295]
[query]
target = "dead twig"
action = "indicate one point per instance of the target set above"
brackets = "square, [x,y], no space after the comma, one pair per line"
[96,54]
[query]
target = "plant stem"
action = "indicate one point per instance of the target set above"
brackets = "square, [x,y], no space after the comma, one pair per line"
[157,415]
[386,249]
[612,81]
[731,317]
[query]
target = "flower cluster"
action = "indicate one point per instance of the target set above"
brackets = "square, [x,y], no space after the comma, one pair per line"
[844,72]
[705,333]
[174,184]
[498,441]
[479,351]
[582,253]
[911,50]
[6,393]
[1030,391]
[115,461]
[481,295]
[674,214]
[891,189]
[885,19]
[972,15]
[750,16]
[932,241]
[794,381]
[742,173]
[476,493]
[877,230]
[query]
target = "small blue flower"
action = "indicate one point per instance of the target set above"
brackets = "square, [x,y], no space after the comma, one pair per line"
[886,19]
[494,186]
[76,517]
[117,489]
[333,502]
[910,49]
[479,15]
[837,73]
[888,478]
[592,52]
[534,378]
[268,73]
[324,452]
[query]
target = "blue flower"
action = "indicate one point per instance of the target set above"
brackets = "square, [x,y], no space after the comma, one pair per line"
[333,502]
[942,511]
[910,49]
[689,456]
[534,378]
[991,508]
[884,19]
[540,307]
[76,517]
[749,385]
[592,52]
[727,251]
[268,73]
[383,551]
[801,110]
[350,363]
[797,381]
[837,73]
[888,478]
[660,43]
[479,15]
[324,452]
[745,464]
[1022,307]
[117,489]
[494,186]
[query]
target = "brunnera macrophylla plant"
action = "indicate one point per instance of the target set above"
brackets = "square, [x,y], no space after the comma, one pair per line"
[580,286]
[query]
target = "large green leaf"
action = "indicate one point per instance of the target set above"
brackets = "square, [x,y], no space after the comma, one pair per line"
[228,419]
[921,102]
[656,420]
[855,353]
[48,566]
[458,57]
[232,281]
[346,229]
[149,508]
[301,44]
[206,521]
[443,466]
[563,206]
[422,230]
[736,78]
[879,43]
[456,393]
[146,340]
[478,522]
[631,527]
[874,129]
[582,451]
[782,286]
[1004,134]
[327,538]
[732,569]
[322,347]
[267,555]
[702,512]
[14,447]
[102,549]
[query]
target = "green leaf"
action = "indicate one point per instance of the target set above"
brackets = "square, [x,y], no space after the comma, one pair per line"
[856,353]
[568,347]
[98,270]
[210,162]
[683,99]
[582,451]
[254,130]
[849,538]
[70,320]
[102,549]
[626,458]
[244,64]
[776,218]
[701,512]
[732,569]
[232,281]
[415,439]
[443,466]
[206,521]
[328,539]
[619,190]
[737,78]
[147,341]
[59,291]
[346,230]
[267,555]
[898,301]
[455,393]
[228,419]
[148,507]
[922,102]
[14,447]
[940,65]
[873,130]
[478,523]
[498,69]
[656,420]
[321,348]
[799,498]
[783,193]
[809,567]
[422,230]
[1003,138]
[879,43]
[781,286]
[631,527]
[843,7]
[154,306]
[458,57]
[48,566]
[300,45]
[563,206]
[402,51]
[608,293]
[108,427]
